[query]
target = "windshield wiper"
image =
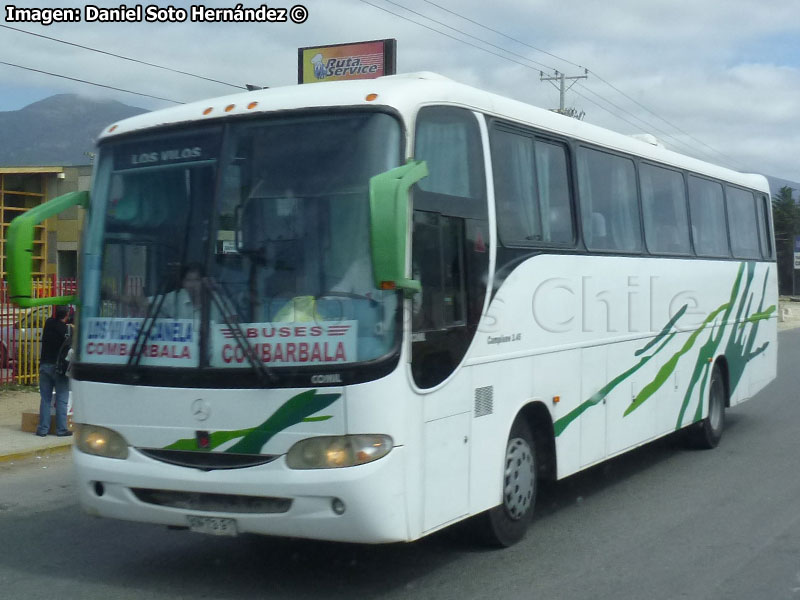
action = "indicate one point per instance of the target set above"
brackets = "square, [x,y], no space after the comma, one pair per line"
[222,299]
[146,327]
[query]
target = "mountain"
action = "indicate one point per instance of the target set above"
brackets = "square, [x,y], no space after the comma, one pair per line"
[57,131]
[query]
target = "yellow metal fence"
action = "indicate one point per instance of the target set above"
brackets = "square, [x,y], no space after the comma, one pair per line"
[21,331]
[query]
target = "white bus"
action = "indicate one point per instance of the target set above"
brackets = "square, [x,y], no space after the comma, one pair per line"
[411,301]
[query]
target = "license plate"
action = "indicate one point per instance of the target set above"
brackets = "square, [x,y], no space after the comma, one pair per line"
[212,525]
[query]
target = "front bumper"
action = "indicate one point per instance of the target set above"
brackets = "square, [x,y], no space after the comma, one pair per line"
[372,494]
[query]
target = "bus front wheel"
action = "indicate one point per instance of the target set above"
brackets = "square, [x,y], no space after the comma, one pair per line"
[505,524]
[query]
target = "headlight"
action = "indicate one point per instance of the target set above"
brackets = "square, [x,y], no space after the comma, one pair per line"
[100,441]
[333,452]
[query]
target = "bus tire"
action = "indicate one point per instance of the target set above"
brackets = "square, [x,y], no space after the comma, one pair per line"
[707,433]
[506,524]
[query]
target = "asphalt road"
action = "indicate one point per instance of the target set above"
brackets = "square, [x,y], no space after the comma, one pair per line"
[660,522]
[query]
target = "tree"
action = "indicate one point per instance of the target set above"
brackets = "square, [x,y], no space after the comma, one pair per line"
[786,218]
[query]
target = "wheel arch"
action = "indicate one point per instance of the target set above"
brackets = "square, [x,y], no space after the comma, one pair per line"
[538,418]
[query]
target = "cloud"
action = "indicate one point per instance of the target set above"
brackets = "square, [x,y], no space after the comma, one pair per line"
[724,72]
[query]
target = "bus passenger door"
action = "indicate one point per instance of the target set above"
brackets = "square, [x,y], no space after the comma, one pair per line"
[450,258]
[439,340]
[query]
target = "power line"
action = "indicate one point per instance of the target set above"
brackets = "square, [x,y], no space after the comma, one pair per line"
[463,33]
[135,60]
[500,33]
[693,149]
[516,62]
[678,129]
[666,135]
[110,87]
[569,62]
[447,35]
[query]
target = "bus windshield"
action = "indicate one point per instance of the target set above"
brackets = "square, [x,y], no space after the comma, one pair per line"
[222,247]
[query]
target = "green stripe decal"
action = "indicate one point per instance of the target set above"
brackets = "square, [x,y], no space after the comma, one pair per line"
[561,424]
[297,409]
[667,370]
[667,328]
[738,352]
[702,367]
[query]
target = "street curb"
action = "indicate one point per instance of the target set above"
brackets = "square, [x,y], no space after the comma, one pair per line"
[37,452]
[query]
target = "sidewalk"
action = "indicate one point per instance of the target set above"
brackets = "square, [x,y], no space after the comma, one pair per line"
[16,444]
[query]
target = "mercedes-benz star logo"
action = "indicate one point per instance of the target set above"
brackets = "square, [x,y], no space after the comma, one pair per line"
[200,409]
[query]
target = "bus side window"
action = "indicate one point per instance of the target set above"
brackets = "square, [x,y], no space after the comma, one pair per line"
[764,227]
[532,190]
[666,226]
[518,217]
[607,185]
[707,208]
[552,176]
[742,221]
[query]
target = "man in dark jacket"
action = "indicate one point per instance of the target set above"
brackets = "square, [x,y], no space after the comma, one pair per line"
[53,336]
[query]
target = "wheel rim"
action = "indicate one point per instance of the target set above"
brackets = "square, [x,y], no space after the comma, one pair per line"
[519,478]
[716,404]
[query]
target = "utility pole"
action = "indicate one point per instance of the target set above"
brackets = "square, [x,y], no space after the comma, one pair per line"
[562,88]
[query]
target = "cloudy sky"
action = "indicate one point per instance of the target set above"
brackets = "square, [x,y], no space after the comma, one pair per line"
[719,79]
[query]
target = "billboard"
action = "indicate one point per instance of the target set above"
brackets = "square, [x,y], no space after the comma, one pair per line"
[335,62]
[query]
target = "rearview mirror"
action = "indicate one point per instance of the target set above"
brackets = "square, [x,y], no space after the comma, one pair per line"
[389,218]
[19,249]
[260,221]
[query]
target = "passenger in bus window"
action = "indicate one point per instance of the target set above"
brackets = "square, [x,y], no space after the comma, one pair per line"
[184,303]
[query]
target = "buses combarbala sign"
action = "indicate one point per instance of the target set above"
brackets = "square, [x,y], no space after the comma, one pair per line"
[360,60]
[287,344]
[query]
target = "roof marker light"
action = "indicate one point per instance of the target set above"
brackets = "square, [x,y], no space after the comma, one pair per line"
[230,107]
[252,105]
[110,129]
[208,110]
[371,97]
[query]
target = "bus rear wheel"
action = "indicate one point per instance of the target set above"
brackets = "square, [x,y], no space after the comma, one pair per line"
[707,433]
[506,524]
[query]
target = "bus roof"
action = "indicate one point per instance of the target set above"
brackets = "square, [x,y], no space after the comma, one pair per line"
[407,93]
